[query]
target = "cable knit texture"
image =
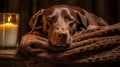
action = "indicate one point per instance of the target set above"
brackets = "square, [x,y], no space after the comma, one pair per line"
[89,46]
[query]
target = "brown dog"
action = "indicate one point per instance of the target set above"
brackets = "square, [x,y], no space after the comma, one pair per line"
[60,22]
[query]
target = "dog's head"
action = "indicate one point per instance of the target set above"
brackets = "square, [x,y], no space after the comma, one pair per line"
[61,22]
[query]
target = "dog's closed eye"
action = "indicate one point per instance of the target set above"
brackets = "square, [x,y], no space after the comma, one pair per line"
[52,18]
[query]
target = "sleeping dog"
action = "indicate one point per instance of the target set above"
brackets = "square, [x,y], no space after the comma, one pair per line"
[60,22]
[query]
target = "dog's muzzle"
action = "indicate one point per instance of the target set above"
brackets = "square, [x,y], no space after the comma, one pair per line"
[60,37]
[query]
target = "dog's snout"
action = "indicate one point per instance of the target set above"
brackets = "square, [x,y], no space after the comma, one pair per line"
[62,36]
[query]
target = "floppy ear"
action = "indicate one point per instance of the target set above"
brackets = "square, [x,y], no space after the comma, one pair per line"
[36,21]
[86,18]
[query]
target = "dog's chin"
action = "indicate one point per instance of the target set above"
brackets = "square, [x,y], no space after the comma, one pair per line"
[59,47]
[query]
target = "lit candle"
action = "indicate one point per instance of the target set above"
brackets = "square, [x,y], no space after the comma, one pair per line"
[8,34]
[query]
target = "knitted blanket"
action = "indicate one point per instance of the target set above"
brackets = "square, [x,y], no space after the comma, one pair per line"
[89,46]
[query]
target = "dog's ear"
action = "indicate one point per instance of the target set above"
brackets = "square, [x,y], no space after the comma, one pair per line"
[36,21]
[86,18]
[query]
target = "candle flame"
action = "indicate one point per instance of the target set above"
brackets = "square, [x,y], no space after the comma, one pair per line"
[9,18]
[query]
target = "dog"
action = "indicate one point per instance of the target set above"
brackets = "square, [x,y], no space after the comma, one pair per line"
[60,22]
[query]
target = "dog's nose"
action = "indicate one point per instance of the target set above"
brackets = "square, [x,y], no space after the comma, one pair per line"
[62,35]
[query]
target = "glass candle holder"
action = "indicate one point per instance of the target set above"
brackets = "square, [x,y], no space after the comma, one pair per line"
[9,23]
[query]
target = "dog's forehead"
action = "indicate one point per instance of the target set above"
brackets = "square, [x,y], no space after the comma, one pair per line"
[59,10]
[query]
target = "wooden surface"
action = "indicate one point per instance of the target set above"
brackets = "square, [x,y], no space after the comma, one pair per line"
[8,51]
[8,59]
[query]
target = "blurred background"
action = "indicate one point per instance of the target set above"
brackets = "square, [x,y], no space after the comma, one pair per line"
[107,9]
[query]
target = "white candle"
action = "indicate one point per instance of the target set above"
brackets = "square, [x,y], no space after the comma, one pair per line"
[8,34]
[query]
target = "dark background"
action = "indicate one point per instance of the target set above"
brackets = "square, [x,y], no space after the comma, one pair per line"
[107,9]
